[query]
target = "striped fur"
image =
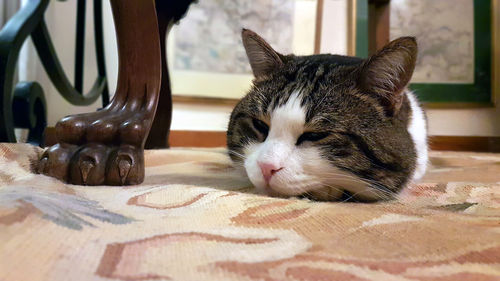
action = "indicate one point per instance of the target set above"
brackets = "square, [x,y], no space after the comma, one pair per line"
[340,127]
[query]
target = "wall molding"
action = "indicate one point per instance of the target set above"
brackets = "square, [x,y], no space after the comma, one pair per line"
[180,138]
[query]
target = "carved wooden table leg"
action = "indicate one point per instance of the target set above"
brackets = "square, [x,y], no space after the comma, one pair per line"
[107,147]
[168,11]
[158,137]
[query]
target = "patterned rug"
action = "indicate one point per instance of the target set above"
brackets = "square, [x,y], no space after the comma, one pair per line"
[195,218]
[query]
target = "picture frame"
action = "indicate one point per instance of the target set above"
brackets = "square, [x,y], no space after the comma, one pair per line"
[215,87]
[481,92]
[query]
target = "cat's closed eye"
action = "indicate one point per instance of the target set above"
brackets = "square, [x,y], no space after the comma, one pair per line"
[261,127]
[311,136]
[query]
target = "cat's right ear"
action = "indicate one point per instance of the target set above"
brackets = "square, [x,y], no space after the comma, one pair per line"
[263,59]
[387,73]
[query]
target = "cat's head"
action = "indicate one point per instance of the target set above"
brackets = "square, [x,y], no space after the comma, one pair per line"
[325,125]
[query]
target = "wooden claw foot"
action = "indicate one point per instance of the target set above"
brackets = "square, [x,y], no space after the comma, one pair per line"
[107,147]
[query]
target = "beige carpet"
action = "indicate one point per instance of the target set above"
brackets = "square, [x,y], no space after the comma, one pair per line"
[195,219]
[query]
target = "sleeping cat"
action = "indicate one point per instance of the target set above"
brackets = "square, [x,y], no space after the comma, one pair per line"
[330,126]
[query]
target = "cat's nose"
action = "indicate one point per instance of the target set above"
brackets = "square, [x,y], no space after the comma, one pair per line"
[268,170]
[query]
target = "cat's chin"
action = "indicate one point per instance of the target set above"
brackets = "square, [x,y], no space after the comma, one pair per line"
[359,191]
[317,192]
[325,194]
[277,190]
[271,192]
[274,191]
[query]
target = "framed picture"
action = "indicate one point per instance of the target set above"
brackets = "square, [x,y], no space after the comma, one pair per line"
[457,41]
[206,56]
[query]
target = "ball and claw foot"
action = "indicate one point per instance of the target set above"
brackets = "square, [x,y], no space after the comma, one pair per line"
[107,147]
[99,148]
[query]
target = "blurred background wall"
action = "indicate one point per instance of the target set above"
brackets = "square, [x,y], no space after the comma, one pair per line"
[191,116]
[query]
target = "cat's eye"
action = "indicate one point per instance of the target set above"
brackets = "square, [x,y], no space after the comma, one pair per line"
[311,136]
[260,126]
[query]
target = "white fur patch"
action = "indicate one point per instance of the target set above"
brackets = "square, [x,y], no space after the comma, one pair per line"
[418,131]
[287,123]
[304,169]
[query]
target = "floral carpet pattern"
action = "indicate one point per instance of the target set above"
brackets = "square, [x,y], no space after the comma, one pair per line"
[195,218]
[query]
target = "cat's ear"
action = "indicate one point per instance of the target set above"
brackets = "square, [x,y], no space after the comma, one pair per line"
[388,72]
[263,59]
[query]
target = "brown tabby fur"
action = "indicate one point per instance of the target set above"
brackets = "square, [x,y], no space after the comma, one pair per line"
[360,103]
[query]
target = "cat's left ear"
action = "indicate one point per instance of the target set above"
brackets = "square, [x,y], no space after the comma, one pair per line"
[387,73]
[262,57]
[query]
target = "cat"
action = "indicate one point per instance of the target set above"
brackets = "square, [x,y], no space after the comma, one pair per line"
[330,126]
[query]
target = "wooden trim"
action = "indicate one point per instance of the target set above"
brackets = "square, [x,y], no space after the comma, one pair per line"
[177,138]
[461,143]
[204,100]
[457,105]
[378,24]
[319,26]
[454,143]
[351,27]
[197,138]
[218,139]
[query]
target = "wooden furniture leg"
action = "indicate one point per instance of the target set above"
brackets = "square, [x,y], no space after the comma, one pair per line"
[158,136]
[169,12]
[378,24]
[107,147]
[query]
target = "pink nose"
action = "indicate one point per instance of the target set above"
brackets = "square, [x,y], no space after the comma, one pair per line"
[268,170]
